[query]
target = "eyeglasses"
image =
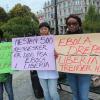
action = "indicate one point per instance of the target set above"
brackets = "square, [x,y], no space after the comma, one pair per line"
[72,23]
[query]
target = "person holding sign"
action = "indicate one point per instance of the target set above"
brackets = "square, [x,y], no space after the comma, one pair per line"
[48,79]
[5,80]
[79,83]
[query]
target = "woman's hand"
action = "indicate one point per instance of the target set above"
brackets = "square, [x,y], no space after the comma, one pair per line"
[56,54]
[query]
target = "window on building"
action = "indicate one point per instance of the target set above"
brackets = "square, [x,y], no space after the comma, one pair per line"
[76,2]
[52,1]
[60,12]
[89,1]
[49,23]
[69,10]
[98,3]
[44,10]
[48,14]
[52,15]
[77,10]
[61,29]
[64,11]
[45,4]
[85,9]
[48,2]
[52,22]
[64,20]
[69,3]
[51,9]
[93,2]
[85,2]
[64,4]
[61,21]
[45,15]
[59,6]
[99,9]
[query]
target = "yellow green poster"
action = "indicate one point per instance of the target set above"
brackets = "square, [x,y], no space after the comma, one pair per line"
[5,57]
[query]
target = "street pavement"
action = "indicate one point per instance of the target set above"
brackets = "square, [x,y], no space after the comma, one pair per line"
[22,88]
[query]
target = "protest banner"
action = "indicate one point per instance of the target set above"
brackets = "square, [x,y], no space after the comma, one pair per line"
[33,53]
[5,57]
[78,53]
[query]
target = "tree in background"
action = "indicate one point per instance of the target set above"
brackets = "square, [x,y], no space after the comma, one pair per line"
[20,10]
[21,22]
[92,20]
[21,26]
[3,14]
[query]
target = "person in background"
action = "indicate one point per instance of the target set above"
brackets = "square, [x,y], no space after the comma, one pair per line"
[48,79]
[79,83]
[5,80]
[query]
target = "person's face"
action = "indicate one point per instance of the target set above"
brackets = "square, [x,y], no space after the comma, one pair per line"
[44,31]
[72,25]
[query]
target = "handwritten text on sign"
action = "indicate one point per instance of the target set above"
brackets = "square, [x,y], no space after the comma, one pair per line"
[5,57]
[79,53]
[33,53]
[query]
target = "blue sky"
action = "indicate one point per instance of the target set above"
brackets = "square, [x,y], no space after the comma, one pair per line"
[35,5]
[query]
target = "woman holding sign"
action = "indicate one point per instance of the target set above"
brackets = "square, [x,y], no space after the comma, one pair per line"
[48,79]
[79,83]
[5,80]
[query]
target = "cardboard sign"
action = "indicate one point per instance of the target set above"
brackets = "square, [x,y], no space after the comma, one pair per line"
[5,57]
[33,53]
[78,53]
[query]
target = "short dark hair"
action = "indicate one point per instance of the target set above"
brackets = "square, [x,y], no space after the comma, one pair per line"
[44,24]
[75,17]
[1,34]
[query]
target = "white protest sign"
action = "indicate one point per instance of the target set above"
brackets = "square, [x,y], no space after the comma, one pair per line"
[33,53]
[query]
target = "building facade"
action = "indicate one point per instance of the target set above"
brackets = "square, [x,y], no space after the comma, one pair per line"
[64,9]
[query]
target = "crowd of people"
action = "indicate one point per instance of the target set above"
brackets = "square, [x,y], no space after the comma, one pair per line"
[79,83]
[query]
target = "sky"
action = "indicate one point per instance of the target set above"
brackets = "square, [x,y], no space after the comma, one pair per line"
[35,5]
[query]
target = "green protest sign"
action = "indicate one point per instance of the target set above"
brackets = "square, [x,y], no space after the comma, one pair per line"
[5,57]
